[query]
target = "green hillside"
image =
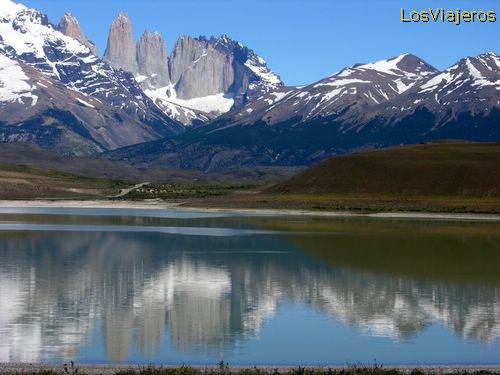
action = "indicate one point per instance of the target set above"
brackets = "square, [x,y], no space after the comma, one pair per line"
[426,170]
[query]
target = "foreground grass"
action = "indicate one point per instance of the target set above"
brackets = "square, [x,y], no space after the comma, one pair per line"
[348,202]
[455,169]
[23,182]
[223,369]
[183,191]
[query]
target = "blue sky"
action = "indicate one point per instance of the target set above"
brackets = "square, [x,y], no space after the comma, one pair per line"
[302,40]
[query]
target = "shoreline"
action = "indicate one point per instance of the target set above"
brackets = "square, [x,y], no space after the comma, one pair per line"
[110,368]
[163,205]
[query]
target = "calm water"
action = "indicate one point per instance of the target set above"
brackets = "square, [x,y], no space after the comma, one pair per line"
[114,286]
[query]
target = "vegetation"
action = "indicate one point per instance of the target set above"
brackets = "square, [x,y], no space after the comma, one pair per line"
[429,170]
[23,182]
[224,369]
[182,191]
[441,177]
[459,177]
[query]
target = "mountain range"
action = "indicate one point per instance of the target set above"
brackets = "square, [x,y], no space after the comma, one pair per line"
[213,104]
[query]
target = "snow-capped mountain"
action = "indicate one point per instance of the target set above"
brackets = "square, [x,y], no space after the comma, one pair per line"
[237,76]
[55,92]
[202,78]
[348,93]
[472,85]
[213,76]
[70,26]
[28,39]
[394,101]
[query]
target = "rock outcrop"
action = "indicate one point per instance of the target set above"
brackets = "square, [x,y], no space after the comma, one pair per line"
[152,60]
[211,72]
[201,67]
[121,51]
[207,76]
[69,26]
[186,50]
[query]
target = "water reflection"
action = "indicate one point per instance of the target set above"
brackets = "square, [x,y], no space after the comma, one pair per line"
[206,293]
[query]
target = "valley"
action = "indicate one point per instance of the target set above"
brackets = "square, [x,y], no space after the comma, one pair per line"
[458,177]
[210,125]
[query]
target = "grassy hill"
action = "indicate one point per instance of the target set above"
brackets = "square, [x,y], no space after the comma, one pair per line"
[23,182]
[438,177]
[437,170]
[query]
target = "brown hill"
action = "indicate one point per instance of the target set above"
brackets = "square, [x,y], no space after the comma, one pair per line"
[459,169]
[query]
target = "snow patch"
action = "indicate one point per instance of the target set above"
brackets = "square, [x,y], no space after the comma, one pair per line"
[86,104]
[385,66]
[340,82]
[30,34]
[14,84]
[473,70]
[445,77]
[263,72]
[218,103]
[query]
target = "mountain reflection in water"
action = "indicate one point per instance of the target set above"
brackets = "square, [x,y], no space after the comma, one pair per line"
[207,293]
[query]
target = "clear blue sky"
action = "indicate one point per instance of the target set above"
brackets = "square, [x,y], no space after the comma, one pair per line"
[302,40]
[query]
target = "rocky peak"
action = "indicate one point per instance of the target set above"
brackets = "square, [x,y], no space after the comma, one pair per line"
[70,26]
[412,64]
[152,59]
[206,66]
[406,65]
[186,51]
[469,75]
[121,51]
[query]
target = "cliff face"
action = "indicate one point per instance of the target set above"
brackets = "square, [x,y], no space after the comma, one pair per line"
[121,51]
[152,59]
[203,77]
[198,67]
[186,50]
[201,69]
[69,26]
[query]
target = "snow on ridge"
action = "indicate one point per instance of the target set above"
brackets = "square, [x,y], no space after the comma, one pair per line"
[30,34]
[445,77]
[472,69]
[85,103]
[258,66]
[218,103]
[333,82]
[14,84]
[389,66]
[465,70]
[9,9]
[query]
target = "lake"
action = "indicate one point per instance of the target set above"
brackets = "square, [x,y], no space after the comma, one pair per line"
[174,287]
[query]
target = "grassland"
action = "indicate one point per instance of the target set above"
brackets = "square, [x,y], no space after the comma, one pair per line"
[184,191]
[458,170]
[458,177]
[440,177]
[23,182]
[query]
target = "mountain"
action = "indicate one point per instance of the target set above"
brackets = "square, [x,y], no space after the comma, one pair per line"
[202,78]
[347,94]
[121,51]
[70,26]
[57,93]
[132,105]
[390,102]
[152,60]
[232,69]
[471,85]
